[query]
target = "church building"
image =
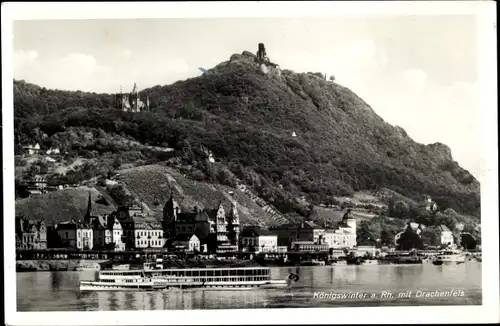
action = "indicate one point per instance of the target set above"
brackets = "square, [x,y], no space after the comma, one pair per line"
[131,102]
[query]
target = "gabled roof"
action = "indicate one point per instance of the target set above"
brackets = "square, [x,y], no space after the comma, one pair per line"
[444,228]
[72,225]
[348,215]
[98,223]
[249,232]
[311,225]
[265,232]
[185,237]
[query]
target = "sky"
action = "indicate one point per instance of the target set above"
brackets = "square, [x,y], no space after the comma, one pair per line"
[417,72]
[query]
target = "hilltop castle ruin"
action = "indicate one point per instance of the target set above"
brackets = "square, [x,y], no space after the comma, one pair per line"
[131,102]
[262,57]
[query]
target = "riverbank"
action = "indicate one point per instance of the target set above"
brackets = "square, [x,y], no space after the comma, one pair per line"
[56,265]
[76,264]
[88,264]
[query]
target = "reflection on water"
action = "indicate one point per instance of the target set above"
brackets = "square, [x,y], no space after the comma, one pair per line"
[58,291]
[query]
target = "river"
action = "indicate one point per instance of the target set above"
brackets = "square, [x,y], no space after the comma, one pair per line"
[319,286]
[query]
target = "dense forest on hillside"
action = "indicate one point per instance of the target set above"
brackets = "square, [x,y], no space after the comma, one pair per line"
[246,118]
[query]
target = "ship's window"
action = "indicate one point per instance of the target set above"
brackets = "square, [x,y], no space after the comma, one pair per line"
[217,273]
[232,272]
[203,273]
[196,273]
[188,273]
[225,272]
[210,273]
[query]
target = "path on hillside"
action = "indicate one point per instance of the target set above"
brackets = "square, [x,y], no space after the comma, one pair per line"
[266,207]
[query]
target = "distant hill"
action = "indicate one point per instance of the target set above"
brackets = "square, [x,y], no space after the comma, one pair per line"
[284,134]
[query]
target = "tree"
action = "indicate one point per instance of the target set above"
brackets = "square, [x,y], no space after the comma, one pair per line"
[117,163]
[364,235]
[399,209]
[409,240]
[467,241]
[431,236]
[385,238]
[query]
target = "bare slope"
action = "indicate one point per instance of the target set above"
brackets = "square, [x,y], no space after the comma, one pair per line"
[59,206]
[153,185]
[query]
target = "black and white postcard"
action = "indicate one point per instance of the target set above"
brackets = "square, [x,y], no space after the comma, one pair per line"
[254,162]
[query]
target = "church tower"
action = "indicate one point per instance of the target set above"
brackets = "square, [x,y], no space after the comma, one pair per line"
[133,98]
[234,225]
[89,215]
[170,210]
[349,220]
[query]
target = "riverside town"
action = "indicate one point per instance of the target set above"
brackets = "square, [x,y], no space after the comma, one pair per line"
[216,233]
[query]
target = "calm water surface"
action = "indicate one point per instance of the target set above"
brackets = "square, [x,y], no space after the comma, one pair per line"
[58,291]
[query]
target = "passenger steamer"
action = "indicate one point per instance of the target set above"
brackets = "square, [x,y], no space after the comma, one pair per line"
[244,278]
[448,257]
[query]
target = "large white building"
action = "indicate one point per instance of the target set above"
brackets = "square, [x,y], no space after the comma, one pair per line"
[148,233]
[253,240]
[446,235]
[344,235]
[114,233]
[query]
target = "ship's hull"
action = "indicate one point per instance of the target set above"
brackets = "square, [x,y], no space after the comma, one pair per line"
[154,286]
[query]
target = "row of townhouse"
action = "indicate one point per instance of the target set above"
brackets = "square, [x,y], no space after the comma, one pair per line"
[212,230]
[308,236]
[129,228]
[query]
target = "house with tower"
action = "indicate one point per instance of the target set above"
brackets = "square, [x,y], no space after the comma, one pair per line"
[30,234]
[215,228]
[140,231]
[344,234]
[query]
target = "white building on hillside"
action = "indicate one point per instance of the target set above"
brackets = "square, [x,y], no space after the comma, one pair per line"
[446,235]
